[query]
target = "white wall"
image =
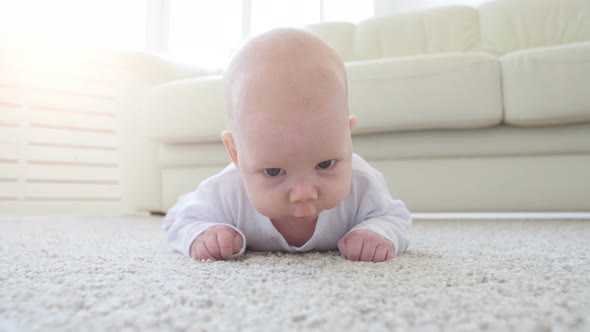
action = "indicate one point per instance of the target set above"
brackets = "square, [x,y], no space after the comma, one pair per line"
[390,7]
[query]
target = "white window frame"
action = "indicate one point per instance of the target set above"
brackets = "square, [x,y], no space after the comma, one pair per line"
[157,25]
[158,22]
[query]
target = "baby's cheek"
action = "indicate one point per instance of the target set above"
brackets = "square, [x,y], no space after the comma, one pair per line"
[266,201]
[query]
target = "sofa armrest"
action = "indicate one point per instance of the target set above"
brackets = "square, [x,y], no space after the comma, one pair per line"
[138,72]
[153,69]
[191,110]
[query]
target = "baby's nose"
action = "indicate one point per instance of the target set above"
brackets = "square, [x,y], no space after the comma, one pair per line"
[303,192]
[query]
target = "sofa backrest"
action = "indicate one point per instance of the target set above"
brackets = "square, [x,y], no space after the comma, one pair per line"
[339,35]
[439,30]
[511,25]
[499,27]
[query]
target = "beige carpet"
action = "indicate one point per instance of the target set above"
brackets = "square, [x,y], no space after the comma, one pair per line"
[115,274]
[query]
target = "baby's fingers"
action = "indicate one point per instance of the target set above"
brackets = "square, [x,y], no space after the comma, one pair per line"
[368,250]
[200,251]
[381,253]
[225,241]
[390,253]
[212,246]
[238,243]
[354,247]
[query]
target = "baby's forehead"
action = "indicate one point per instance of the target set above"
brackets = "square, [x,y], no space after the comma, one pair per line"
[267,141]
[283,66]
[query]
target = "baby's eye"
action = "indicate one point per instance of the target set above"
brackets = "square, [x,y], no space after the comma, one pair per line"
[326,164]
[273,172]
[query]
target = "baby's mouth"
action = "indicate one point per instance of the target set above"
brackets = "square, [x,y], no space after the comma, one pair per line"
[309,216]
[304,212]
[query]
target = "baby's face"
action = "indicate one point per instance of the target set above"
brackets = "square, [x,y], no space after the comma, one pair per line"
[295,166]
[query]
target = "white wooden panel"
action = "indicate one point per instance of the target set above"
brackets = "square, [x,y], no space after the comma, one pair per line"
[9,134]
[10,94]
[10,75]
[99,71]
[71,102]
[93,84]
[67,191]
[73,172]
[71,137]
[10,114]
[94,64]
[73,85]
[71,155]
[9,151]
[9,190]
[9,170]
[73,120]
[57,130]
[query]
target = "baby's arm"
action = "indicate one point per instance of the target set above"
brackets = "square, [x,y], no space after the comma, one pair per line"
[217,242]
[200,224]
[387,231]
[381,230]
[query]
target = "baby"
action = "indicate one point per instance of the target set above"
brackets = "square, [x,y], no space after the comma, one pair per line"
[294,184]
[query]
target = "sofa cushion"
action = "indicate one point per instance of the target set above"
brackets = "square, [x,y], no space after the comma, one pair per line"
[186,111]
[547,86]
[495,141]
[508,25]
[438,30]
[148,69]
[425,92]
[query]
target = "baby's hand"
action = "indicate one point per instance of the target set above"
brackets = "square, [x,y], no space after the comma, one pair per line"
[366,246]
[217,242]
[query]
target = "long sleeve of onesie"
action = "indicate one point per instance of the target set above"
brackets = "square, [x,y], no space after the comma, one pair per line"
[197,211]
[377,211]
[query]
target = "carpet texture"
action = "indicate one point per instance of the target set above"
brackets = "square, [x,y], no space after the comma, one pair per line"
[114,273]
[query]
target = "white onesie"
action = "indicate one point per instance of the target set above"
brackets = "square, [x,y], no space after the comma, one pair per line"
[222,200]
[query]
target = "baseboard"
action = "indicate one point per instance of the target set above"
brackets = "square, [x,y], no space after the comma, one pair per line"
[502,216]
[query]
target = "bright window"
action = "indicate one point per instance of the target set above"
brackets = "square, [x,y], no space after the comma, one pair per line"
[13,15]
[105,23]
[348,10]
[268,14]
[204,32]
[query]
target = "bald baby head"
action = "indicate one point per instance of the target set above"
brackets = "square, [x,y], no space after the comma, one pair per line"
[283,70]
[289,130]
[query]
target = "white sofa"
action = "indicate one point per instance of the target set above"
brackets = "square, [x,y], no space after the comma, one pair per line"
[462,109]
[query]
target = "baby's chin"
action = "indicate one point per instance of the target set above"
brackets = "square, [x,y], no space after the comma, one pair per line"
[295,220]
[291,217]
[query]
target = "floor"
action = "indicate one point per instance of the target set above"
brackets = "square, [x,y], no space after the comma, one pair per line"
[98,273]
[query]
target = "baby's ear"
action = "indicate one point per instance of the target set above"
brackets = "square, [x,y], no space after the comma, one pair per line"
[352,121]
[230,146]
